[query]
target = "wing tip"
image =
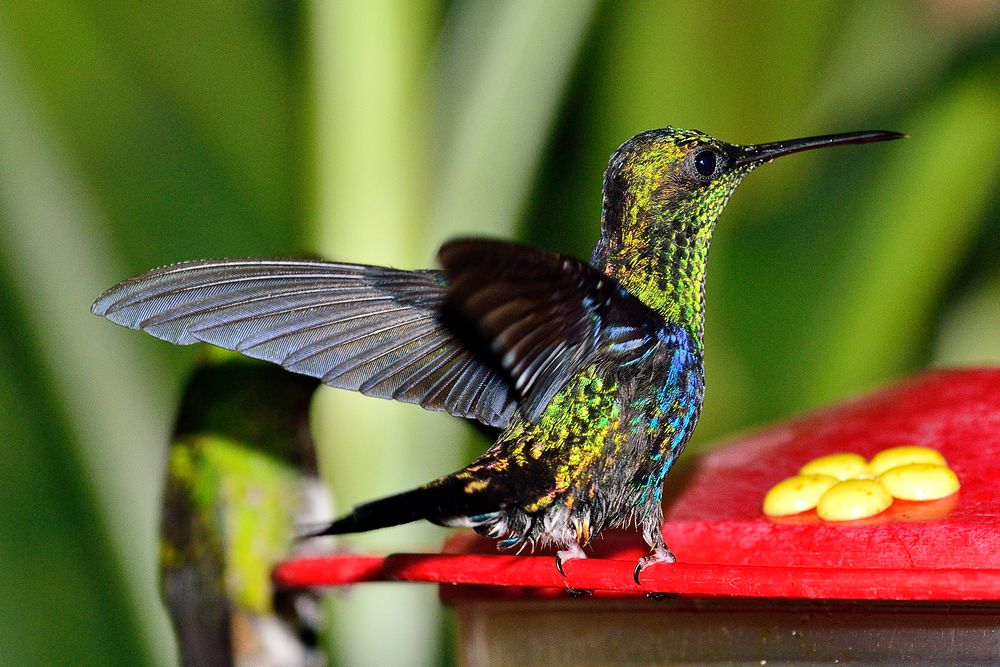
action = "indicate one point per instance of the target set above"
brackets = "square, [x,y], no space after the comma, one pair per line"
[105,304]
[99,307]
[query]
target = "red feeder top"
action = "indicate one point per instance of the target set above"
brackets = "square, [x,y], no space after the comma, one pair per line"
[947,549]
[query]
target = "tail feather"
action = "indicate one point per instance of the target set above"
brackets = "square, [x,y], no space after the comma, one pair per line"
[439,503]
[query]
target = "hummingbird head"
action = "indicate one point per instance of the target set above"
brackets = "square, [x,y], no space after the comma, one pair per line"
[668,183]
[684,178]
[663,191]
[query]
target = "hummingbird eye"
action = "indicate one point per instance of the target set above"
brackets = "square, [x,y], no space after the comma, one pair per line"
[706,162]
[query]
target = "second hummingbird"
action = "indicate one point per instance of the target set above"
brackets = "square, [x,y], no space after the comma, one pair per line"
[593,371]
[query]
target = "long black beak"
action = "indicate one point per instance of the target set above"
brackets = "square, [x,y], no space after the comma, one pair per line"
[760,153]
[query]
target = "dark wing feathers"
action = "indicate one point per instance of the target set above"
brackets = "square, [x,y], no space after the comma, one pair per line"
[371,329]
[546,317]
[403,335]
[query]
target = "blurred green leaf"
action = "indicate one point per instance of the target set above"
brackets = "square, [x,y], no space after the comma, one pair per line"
[501,71]
[64,599]
[968,335]
[160,165]
[913,234]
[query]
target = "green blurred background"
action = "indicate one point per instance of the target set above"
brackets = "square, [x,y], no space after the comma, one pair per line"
[138,134]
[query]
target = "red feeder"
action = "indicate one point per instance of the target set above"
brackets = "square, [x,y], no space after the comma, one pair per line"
[921,580]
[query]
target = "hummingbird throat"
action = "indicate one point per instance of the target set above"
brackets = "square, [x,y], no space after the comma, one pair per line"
[659,254]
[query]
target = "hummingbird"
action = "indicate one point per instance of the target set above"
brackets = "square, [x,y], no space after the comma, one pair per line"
[592,371]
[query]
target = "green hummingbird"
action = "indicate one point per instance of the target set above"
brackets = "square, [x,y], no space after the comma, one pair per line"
[593,371]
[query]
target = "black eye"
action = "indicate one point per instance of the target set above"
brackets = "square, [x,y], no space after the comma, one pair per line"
[705,162]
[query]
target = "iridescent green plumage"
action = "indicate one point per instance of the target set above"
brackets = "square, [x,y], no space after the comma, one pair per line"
[657,227]
[593,371]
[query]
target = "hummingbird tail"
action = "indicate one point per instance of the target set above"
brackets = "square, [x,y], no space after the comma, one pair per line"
[426,502]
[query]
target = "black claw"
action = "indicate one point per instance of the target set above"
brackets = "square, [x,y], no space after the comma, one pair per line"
[636,571]
[662,596]
[559,567]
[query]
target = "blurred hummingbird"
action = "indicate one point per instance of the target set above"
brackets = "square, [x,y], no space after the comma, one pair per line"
[592,371]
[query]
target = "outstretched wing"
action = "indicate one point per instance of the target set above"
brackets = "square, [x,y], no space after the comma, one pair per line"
[375,330]
[546,317]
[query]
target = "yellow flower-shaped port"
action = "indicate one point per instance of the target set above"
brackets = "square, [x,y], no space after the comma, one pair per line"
[894,457]
[841,466]
[845,487]
[796,494]
[853,499]
[920,481]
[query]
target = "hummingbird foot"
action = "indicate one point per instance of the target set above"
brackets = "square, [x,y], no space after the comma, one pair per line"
[571,552]
[659,555]
[579,592]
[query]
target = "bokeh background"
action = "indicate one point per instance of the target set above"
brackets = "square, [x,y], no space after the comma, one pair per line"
[138,134]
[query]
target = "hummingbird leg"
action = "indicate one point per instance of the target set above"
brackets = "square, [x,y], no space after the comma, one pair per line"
[571,552]
[659,555]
